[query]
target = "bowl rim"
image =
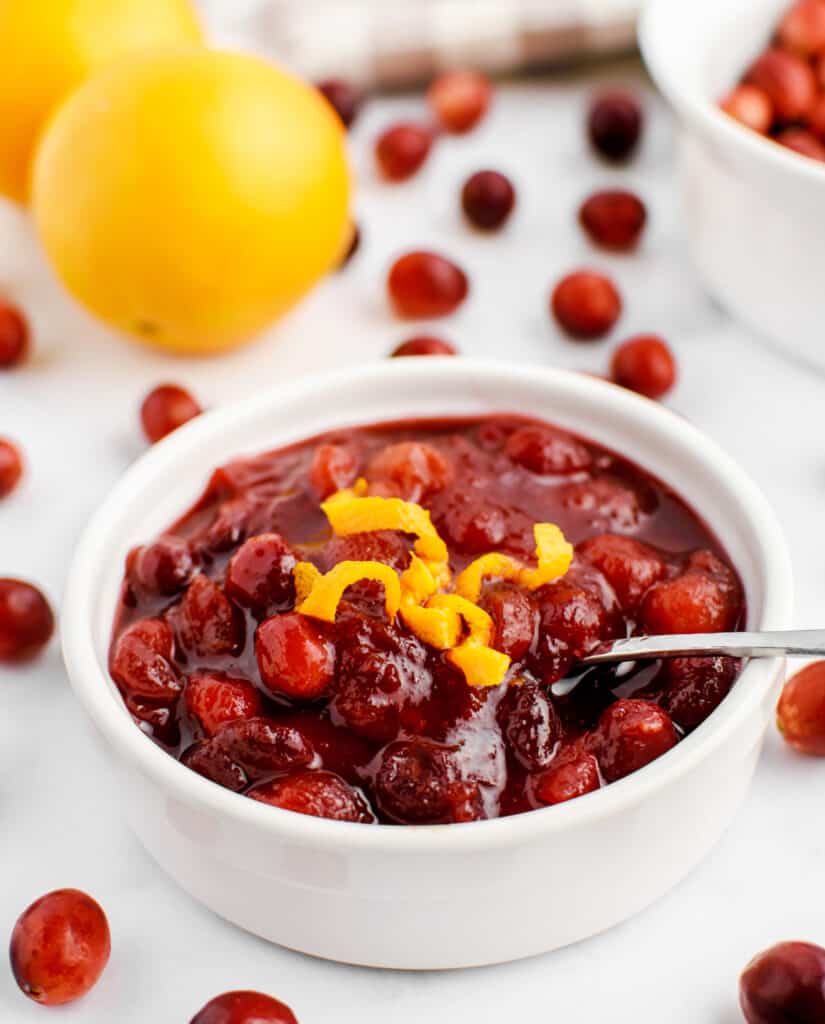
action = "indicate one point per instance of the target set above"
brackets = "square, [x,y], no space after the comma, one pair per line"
[92,685]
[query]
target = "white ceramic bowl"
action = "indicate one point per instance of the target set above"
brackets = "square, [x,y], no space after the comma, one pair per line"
[755,212]
[439,896]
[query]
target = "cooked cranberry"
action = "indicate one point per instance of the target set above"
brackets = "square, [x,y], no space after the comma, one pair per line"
[424,345]
[586,304]
[801,711]
[294,656]
[385,546]
[415,468]
[334,466]
[26,620]
[459,99]
[317,793]
[610,504]
[165,567]
[802,28]
[259,574]
[414,783]
[262,746]
[569,776]
[785,985]
[424,284]
[547,450]
[645,364]
[788,82]
[352,248]
[59,947]
[14,336]
[142,661]
[11,466]
[705,598]
[693,687]
[343,97]
[165,409]
[630,566]
[215,698]
[402,149]
[209,624]
[751,106]
[614,124]
[514,618]
[209,759]
[803,142]
[244,1008]
[487,199]
[473,525]
[530,724]
[613,219]
[229,526]
[631,734]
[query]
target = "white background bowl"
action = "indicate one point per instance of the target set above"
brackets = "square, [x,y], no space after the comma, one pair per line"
[755,211]
[444,896]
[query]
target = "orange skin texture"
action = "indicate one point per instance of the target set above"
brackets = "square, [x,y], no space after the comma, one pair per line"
[800,714]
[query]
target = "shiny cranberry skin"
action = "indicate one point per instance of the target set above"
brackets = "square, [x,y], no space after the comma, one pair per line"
[26,621]
[630,566]
[644,364]
[387,546]
[631,734]
[215,698]
[262,746]
[402,149]
[751,106]
[14,336]
[705,598]
[165,409]
[59,947]
[165,567]
[459,99]
[319,794]
[343,97]
[693,687]
[787,80]
[614,124]
[785,985]
[415,783]
[209,624]
[586,304]
[610,504]
[800,714]
[142,661]
[334,466]
[514,618]
[414,468]
[802,28]
[803,142]
[569,776]
[614,220]
[547,451]
[425,284]
[424,345]
[11,466]
[487,199]
[244,1008]
[259,574]
[473,525]
[294,657]
[530,724]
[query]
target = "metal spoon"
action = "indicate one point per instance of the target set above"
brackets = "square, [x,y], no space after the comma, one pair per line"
[794,643]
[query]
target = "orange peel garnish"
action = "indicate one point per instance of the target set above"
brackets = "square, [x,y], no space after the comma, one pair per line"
[323,600]
[305,575]
[553,553]
[348,514]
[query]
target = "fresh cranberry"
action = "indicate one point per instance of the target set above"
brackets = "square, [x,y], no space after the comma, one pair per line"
[142,661]
[209,624]
[244,1008]
[215,698]
[352,248]
[631,734]
[630,566]
[209,759]
[645,364]
[586,304]
[415,782]
[415,468]
[801,711]
[385,546]
[567,777]
[803,142]
[14,336]
[262,746]
[294,657]
[816,118]
[319,794]
[259,574]
[402,149]
[614,124]
[343,97]
[705,598]
[11,466]
[487,199]
[26,621]
[425,284]
[787,80]
[334,466]
[609,503]
[424,345]
[802,28]
[547,450]
[785,985]
[751,106]
[693,687]
[459,99]
[530,724]
[613,219]
[59,947]
[165,567]
[514,618]
[165,409]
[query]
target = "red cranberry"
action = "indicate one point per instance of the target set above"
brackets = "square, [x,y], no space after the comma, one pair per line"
[142,661]
[630,566]
[801,711]
[751,106]
[14,336]
[631,734]
[165,567]
[614,125]
[352,248]
[788,82]
[459,99]
[414,468]
[165,409]
[586,304]
[424,345]
[785,985]
[547,450]
[693,687]
[26,621]
[317,793]
[645,364]
[530,724]
[803,142]
[514,618]
[705,598]
[424,284]
[488,199]
[11,466]
[802,28]
[613,219]
[259,574]
[415,783]
[59,947]
[343,97]
[473,525]
[215,698]
[610,504]
[244,1008]
[385,546]
[334,466]
[816,118]
[209,624]
[294,657]
[262,746]
[402,149]
[568,777]
[209,759]
[229,526]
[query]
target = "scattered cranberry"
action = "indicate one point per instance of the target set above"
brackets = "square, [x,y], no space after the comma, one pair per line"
[319,794]
[215,698]
[802,28]
[11,466]
[244,1008]
[803,142]
[402,149]
[424,284]
[424,345]
[414,468]
[343,97]
[14,336]
[59,947]
[644,364]
[631,734]
[630,566]
[614,124]
[334,466]
[693,687]
[294,657]
[165,409]
[788,82]
[165,567]
[352,248]
[259,574]
[262,746]
[547,451]
[566,778]
[750,106]
[141,661]
[459,99]
[785,985]
[613,219]
[586,304]
[801,711]
[488,199]
[26,621]
[209,623]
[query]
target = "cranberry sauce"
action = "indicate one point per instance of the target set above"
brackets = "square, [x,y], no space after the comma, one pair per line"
[359,719]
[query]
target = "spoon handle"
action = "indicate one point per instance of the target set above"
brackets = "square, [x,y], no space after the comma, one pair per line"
[780,643]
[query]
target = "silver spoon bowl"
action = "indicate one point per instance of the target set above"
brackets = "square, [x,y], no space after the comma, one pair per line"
[794,643]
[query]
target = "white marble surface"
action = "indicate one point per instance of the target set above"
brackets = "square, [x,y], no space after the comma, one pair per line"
[74,410]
